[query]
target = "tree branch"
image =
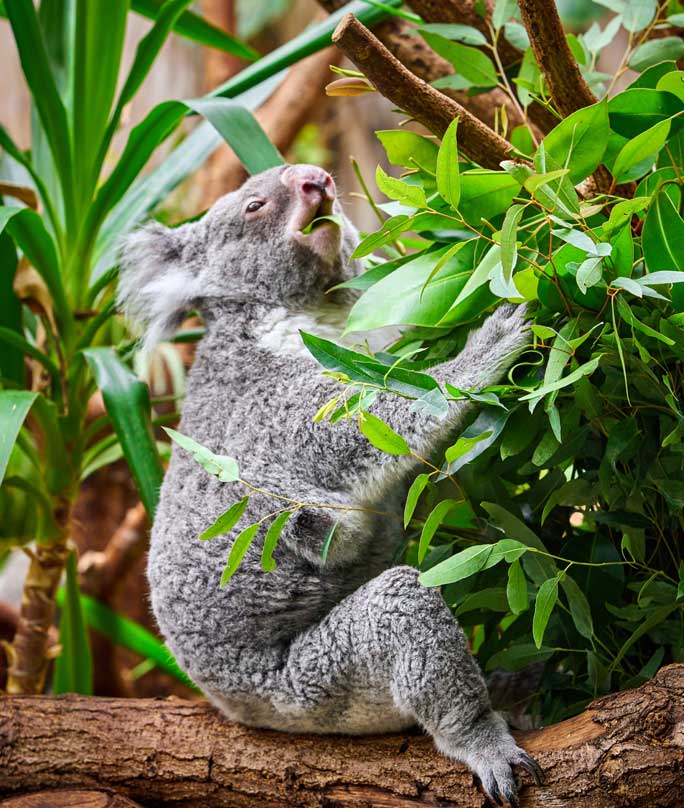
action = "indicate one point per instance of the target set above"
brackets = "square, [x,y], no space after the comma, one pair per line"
[568,89]
[427,105]
[626,749]
[414,53]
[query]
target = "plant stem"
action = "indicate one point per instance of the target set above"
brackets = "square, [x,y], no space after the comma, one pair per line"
[29,653]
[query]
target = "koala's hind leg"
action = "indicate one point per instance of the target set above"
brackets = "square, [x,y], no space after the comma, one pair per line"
[390,655]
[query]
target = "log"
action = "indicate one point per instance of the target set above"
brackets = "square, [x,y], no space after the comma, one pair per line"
[70,799]
[626,749]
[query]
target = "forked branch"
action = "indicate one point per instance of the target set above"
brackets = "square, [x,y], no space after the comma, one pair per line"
[427,105]
[569,91]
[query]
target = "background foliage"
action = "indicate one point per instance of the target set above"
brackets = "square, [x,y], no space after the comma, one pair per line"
[571,472]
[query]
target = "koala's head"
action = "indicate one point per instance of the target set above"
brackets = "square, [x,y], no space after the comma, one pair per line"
[249,248]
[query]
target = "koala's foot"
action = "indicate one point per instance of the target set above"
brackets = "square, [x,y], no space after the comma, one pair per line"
[490,751]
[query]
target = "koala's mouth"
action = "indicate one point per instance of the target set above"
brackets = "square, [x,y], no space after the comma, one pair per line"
[313,218]
[318,228]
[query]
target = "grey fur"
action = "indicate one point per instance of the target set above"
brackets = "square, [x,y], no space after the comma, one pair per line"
[353,645]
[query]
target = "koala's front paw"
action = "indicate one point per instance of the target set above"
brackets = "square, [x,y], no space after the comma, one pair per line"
[490,751]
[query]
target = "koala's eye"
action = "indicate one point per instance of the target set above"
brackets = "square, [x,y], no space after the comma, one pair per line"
[254,205]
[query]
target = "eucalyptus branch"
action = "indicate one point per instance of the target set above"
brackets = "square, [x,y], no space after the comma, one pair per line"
[568,88]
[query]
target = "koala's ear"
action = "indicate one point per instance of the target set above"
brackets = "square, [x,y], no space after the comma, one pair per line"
[157,287]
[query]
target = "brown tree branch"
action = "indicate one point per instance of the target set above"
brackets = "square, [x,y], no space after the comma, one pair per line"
[626,749]
[568,89]
[414,53]
[427,105]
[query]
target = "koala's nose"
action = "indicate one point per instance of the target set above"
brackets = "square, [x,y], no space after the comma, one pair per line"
[309,182]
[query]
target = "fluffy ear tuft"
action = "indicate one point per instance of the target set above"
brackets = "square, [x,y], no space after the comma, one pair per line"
[156,287]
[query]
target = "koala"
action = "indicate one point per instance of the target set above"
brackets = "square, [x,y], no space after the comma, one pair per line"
[351,644]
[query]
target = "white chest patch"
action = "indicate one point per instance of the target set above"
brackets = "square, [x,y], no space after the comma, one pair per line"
[279,331]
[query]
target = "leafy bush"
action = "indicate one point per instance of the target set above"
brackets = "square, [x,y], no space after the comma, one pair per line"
[563,543]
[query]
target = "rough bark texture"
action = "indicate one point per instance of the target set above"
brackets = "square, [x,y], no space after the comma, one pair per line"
[427,105]
[568,89]
[413,52]
[70,799]
[28,655]
[627,749]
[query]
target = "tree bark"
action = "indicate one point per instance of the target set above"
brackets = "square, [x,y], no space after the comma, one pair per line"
[626,749]
[70,799]
[427,105]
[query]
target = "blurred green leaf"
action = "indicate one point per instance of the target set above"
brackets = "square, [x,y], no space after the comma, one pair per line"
[14,407]
[381,435]
[74,666]
[547,597]
[127,401]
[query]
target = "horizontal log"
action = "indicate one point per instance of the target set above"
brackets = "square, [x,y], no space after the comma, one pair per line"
[627,749]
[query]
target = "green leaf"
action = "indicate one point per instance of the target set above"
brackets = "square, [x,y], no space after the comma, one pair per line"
[74,666]
[369,371]
[268,563]
[579,141]
[196,28]
[580,611]
[486,194]
[637,14]
[408,149]
[99,29]
[509,233]
[662,235]
[30,234]
[448,179]
[36,68]
[479,277]
[11,358]
[145,55]
[518,657]
[241,130]
[237,552]
[503,11]
[459,566]
[389,231]
[633,111]
[127,401]
[643,147]
[547,597]
[583,370]
[128,634]
[14,340]
[410,195]
[414,294]
[463,445]
[227,521]
[413,495]
[516,590]
[669,48]
[221,466]
[469,62]
[455,31]
[484,431]
[381,435]
[655,618]
[14,407]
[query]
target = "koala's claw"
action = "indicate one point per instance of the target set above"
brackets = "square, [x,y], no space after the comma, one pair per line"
[530,765]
